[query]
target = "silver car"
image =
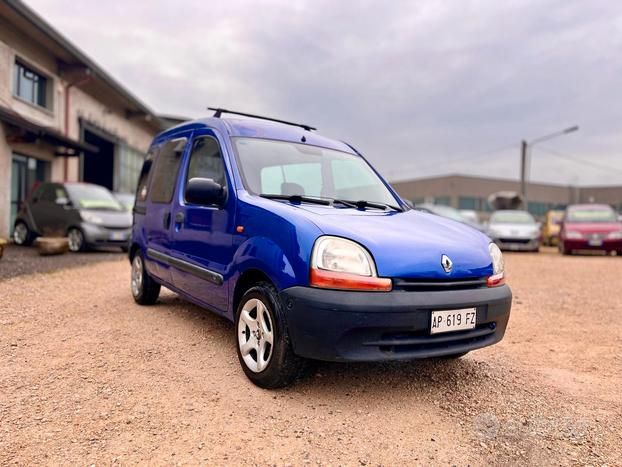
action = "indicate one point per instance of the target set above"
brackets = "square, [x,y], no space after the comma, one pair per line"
[515,230]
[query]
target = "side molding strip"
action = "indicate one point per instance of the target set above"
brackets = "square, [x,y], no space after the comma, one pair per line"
[185,266]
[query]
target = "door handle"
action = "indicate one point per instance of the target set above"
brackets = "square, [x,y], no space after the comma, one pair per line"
[179,220]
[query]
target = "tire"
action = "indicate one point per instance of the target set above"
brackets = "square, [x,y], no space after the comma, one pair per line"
[263,344]
[22,235]
[125,249]
[144,289]
[76,240]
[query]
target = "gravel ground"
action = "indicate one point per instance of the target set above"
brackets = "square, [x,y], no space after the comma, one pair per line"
[87,376]
[17,260]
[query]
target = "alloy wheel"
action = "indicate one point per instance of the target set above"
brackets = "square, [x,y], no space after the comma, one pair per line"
[255,335]
[76,239]
[137,275]
[20,234]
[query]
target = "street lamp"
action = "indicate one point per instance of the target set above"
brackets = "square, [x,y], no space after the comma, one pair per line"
[525,146]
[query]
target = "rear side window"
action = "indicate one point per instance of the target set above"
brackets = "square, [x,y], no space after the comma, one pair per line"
[166,170]
[206,161]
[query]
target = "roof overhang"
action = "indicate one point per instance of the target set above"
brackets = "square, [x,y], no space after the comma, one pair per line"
[26,131]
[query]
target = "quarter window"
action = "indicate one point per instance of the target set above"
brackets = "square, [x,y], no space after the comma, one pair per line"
[166,170]
[206,161]
[143,179]
[30,85]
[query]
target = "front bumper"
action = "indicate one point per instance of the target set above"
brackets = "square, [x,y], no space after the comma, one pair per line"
[518,244]
[338,325]
[603,244]
[97,235]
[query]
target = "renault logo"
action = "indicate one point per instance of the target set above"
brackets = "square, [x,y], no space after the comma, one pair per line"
[446,263]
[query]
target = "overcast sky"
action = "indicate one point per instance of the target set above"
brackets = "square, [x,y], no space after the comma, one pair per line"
[420,87]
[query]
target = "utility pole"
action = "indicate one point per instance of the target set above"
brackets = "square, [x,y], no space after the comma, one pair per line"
[524,158]
[523,172]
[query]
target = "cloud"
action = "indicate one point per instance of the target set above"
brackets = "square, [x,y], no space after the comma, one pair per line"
[414,85]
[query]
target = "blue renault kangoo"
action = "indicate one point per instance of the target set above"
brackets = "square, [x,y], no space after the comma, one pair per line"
[297,240]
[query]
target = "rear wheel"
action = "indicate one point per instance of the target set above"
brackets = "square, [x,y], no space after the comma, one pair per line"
[76,240]
[264,347]
[21,234]
[144,289]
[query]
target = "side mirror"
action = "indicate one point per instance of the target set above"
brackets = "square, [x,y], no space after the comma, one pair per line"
[205,192]
[63,201]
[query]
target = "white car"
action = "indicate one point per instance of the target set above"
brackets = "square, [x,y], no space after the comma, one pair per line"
[515,230]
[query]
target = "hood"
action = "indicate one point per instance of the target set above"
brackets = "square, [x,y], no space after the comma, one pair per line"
[517,231]
[109,218]
[408,244]
[593,227]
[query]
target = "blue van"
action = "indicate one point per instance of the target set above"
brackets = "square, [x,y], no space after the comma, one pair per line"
[301,243]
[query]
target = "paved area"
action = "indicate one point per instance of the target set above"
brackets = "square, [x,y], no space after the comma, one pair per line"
[17,260]
[87,376]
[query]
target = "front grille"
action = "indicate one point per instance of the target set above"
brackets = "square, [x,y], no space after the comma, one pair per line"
[432,285]
[515,240]
[410,342]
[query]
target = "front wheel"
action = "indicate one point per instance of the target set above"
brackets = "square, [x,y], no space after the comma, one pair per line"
[76,240]
[563,250]
[144,289]
[264,347]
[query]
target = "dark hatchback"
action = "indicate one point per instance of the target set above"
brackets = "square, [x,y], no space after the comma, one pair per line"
[89,215]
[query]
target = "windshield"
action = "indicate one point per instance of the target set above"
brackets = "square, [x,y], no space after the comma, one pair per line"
[602,214]
[271,167]
[93,197]
[512,217]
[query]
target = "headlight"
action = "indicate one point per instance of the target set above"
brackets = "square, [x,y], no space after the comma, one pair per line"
[615,235]
[90,217]
[574,235]
[338,263]
[498,266]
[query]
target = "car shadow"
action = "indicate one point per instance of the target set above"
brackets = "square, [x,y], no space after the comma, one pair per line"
[343,379]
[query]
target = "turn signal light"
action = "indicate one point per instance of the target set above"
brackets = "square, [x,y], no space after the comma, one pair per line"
[496,280]
[344,281]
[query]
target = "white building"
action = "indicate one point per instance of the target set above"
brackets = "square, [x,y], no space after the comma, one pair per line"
[61,116]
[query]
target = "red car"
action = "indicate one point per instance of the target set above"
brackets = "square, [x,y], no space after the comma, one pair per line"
[590,227]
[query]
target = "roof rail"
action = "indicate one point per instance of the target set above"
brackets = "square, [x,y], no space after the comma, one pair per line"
[218,112]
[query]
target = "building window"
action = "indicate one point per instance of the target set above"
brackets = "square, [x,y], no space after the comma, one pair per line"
[473,203]
[128,166]
[443,200]
[539,209]
[30,85]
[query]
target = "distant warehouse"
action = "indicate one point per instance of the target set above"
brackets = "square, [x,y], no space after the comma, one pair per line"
[62,117]
[466,192]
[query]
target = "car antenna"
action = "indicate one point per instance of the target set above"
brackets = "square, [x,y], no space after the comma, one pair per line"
[219,111]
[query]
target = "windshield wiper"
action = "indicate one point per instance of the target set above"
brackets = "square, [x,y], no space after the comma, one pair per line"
[362,204]
[297,199]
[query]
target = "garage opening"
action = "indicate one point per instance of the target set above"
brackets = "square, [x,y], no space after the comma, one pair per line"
[98,167]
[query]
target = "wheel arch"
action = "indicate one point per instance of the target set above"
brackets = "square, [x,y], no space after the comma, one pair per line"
[245,281]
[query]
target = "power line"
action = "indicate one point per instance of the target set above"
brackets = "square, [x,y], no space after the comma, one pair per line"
[576,160]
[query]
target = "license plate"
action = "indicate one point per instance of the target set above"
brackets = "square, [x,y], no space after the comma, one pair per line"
[595,242]
[452,320]
[118,236]
[513,246]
